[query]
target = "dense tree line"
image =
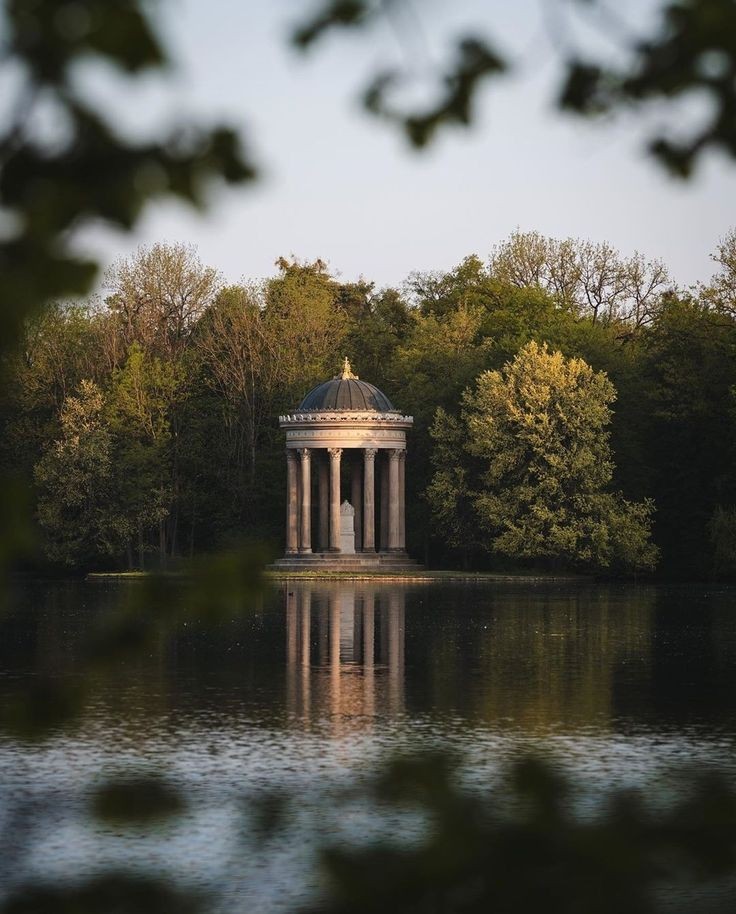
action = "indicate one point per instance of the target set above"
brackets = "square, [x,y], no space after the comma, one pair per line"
[144,423]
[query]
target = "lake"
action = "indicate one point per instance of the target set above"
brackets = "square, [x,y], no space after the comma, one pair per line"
[310,689]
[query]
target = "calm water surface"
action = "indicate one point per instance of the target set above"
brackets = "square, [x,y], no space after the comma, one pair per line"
[312,688]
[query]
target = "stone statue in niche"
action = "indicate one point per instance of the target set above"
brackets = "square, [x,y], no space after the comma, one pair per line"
[347,528]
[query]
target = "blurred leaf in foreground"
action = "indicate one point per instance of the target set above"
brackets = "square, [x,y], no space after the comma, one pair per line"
[135,800]
[526,847]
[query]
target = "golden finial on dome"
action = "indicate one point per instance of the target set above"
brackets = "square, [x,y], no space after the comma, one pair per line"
[347,374]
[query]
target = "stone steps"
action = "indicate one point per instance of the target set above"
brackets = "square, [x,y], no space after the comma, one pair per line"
[360,561]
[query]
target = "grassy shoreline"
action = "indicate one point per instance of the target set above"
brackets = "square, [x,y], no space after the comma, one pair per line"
[410,576]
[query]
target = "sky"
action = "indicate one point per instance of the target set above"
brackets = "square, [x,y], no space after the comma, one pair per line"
[340,185]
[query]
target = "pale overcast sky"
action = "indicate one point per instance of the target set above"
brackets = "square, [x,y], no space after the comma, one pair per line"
[339,185]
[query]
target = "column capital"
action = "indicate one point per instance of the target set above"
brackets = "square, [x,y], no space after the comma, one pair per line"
[305,453]
[290,453]
[370,453]
[334,452]
[402,454]
[397,453]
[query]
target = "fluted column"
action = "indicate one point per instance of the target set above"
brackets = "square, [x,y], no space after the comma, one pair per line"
[383,469]
[335,455]
[305,544]
[369,499]
[356,497]
[402,500]
[292,504]
[323,480]
[393,500]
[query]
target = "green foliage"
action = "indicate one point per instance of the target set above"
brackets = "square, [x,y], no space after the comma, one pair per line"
[301,306]
[449,492]
[158,295]
[686,377]
[75,480]
[539,429]
[50,188]
[721,291]
[192,374]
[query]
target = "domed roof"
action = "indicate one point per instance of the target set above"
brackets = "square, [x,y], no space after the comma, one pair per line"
[346,392]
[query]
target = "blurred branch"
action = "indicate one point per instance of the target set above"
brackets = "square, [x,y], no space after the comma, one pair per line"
[692,47]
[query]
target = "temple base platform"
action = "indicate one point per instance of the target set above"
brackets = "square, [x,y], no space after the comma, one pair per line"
[374,562]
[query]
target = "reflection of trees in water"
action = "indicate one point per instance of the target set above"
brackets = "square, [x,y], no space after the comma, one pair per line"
[693,674]
[344,653]
[527,658]
[532,659]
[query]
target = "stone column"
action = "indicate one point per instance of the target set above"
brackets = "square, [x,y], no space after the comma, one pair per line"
[402,500]
[369,499]
[323,481]
[292,504]
[305,546]
[383,465]
[357,500]
[393,500]
[335,455]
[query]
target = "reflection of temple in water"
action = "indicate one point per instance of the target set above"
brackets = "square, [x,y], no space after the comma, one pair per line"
[344,652]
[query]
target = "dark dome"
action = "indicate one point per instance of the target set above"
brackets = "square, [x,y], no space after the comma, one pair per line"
[346,392]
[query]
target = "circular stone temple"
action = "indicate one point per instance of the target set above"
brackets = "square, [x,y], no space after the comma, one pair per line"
[345,461]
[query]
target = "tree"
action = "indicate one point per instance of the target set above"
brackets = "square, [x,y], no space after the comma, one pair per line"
[450,490]
[303,315]
[374,336]
[538,429]
[721,291]
[159,294]
[584,278]
[76,481]
[53,186]
[241,354]
[145,394]
[58,349]
[687,374]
